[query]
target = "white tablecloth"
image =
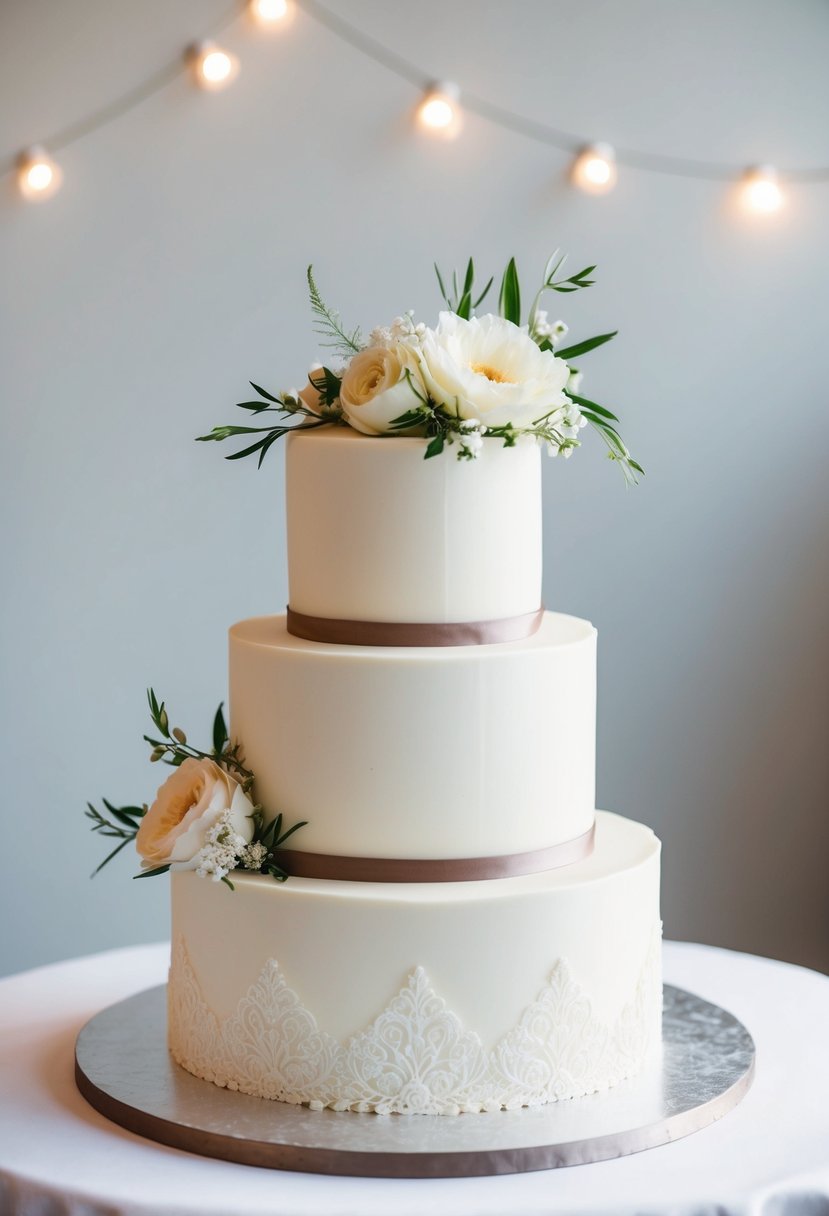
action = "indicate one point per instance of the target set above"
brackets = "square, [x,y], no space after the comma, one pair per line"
[769,1157]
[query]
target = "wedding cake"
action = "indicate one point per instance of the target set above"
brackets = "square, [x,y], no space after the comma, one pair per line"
[461,930]
[448,925]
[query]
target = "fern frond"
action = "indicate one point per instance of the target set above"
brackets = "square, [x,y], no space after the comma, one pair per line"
[328,324]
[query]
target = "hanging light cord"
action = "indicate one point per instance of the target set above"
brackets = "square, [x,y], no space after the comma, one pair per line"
[563,141]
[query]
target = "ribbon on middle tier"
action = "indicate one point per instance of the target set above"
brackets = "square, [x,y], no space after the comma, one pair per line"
[413,633]
[435,869]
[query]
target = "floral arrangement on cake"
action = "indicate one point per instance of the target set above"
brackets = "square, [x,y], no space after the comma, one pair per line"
[469,379]
[202,818]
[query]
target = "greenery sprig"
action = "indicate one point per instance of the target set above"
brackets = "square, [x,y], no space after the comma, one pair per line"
[173,749]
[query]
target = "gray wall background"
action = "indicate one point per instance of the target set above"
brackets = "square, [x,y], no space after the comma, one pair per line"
[169,270]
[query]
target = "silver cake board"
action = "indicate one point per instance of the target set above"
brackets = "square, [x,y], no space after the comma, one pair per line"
[123,1069]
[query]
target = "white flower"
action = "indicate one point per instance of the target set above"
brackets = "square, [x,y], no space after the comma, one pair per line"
[253,855]
[557,332]
[471,443]
[574,382]
[186,811]
[402,329]
[378,387]
[490,369]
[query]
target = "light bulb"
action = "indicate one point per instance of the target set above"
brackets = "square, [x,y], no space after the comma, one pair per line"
[214,67]
[37,175]
[268,12]
[594,169]
[761,190]
[439,111]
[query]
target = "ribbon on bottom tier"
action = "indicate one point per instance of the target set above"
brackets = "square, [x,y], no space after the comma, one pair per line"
[452,869]
[413,633]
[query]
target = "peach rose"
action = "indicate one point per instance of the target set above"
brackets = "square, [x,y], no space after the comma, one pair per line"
[185,809]
[376,390]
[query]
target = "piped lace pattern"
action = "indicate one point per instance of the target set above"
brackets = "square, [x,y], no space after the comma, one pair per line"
[416,1058]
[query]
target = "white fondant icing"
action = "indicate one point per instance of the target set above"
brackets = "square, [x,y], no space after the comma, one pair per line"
[416,1057]
[469,751]
[377,533]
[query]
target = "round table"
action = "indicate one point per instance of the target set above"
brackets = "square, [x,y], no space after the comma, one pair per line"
[769,1157]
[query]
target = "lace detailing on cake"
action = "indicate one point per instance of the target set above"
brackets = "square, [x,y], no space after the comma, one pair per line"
[416,1057]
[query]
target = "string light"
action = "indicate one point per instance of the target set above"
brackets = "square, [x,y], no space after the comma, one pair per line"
[439,111]
[269,12]
[761,190]
[214,67]
[594,169]
[38,176]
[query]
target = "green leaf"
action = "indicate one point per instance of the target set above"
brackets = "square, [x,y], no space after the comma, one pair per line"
[441,284]
[509,301]
[110,856]
[152,873]
[434,447]
[264,393]
[410,418]
[125,814]
[464,308]
[220,735]
[327,384]
[469,279]
[591,405]
[581,348]
[484,293]
[281,839]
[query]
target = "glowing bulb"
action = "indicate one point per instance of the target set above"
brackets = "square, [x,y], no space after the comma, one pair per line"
[268,12]
[214,67]
[439,111]
[594,169]
[37,175]
[761,191]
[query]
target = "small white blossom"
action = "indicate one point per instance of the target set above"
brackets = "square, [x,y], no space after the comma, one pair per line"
[253,855]
[471,443]
[381,336]
[557,332]
[541,325]
[221,851]
[574,381]
[402,330]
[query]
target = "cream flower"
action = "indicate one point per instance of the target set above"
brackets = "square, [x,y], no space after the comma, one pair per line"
[188,804]
[490,369]
[376,390]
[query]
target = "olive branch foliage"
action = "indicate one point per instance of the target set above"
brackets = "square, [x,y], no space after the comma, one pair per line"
[429,419]
[173,748]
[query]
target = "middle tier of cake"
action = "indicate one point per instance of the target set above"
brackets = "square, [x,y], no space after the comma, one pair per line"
[420,753]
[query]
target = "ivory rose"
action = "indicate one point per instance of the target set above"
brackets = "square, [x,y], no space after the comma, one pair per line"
[489,369]
[186,807]
[375,389]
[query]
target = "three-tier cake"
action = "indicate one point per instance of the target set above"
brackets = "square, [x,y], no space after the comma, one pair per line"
[462,930]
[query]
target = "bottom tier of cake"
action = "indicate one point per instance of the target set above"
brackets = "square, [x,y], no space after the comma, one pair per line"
[435,998]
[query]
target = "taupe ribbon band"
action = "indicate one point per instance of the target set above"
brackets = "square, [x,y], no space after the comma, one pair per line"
[454,869]
[414,633]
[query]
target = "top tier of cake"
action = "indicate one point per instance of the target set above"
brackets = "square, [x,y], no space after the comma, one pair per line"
[378,533]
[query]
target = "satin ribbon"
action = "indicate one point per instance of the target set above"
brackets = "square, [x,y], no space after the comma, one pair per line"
[454,869]
[415,633]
